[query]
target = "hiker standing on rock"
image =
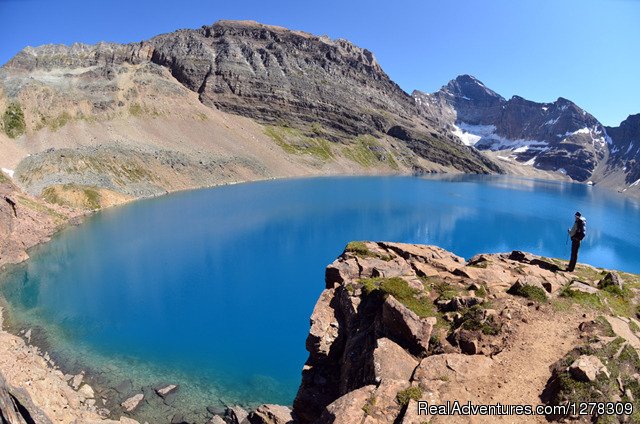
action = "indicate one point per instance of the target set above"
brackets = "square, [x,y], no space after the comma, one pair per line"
[577,233]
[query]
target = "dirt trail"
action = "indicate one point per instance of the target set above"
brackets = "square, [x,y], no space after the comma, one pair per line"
[519,373]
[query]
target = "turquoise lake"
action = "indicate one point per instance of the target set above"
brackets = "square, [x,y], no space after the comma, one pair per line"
[213,288]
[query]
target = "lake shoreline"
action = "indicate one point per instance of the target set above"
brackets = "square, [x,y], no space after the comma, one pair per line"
[47,238]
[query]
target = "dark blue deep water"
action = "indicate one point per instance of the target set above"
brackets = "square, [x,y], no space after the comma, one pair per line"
[213,288]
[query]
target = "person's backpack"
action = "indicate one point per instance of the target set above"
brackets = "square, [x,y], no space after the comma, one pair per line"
[582,229]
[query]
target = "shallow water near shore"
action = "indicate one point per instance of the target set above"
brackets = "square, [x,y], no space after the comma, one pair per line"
[212,289]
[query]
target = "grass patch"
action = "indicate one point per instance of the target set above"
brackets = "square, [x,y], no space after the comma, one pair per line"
[527,291]
[293,141]
[135,109]
[13,120]
[404,396]
[609,299]
[445,290]
[360,249]
[38,207]
[473,320]
[588,300]
[589,274]
[622,361]
[367,152]
[73,195]
[482,291]
[369,405]
[405,294]
[631,280]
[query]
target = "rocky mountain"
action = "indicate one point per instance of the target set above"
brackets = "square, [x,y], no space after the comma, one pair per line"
[625,149]
[227,102]
[558,136]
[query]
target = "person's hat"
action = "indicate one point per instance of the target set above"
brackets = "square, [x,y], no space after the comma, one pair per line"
[578,214]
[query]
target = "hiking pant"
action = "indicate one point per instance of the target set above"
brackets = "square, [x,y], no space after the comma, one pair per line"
[575,246]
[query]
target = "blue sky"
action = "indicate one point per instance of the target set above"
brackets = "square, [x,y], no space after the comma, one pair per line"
[584,50]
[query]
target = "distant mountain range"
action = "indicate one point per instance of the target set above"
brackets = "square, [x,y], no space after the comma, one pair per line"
[241,100]
[558,136]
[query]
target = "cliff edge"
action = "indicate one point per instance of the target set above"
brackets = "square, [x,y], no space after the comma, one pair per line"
[398,323]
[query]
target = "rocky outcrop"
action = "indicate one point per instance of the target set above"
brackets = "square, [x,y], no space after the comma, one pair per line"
[397,323]
[25,221]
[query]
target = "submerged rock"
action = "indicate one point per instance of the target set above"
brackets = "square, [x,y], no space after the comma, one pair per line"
[165,390]
[132,403]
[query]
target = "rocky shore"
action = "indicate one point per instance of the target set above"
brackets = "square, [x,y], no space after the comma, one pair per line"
[399,323]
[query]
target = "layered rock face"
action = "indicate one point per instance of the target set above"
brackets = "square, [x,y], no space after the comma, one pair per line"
[556,136]
[272,74]
[398,323]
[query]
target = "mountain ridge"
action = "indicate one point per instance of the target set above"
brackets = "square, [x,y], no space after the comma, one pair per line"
[556,136]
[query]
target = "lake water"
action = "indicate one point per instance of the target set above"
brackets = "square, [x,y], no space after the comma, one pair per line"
[213,288]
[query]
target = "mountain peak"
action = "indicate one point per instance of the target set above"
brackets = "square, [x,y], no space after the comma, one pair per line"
[467,87]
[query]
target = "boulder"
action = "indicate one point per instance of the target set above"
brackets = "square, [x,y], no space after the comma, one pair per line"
[236,415]
[125,388]
[271,414]
[382,407]
[77,381]
[528,280]
[452,367]
[216,410]
[405,327]
[165,390]
[86,391]
[460,302]
[582,287]
[469,345]
[348,409]
[340,271]
[586,368]
[391,362]
[612,279]
[216,419]
[519,256]
[132,403]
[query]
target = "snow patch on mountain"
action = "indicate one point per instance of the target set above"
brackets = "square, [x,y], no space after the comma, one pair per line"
[471,134]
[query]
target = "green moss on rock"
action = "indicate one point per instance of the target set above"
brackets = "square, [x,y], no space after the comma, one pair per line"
[405,294]
[412,393]
[527,291]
